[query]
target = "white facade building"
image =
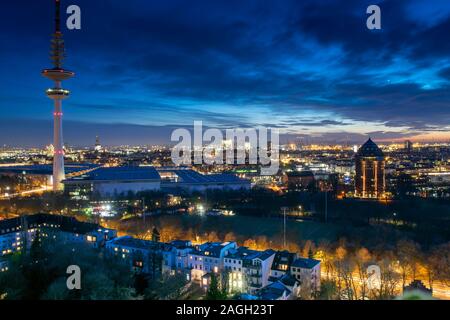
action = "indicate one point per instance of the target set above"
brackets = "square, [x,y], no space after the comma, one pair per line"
[248,270]
[207,258]
[307,271]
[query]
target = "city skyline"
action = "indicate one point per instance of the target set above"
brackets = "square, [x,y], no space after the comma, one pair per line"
[311,69]
[232,153]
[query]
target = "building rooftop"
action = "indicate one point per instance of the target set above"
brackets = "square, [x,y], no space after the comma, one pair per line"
[129,241]
[305,263]
[283,260]
[119,174]
[181,244]
[44,169]
[193,177]
[288,280]
[68,224]
[370,149]
[417,285]
[273,291]
[211,249]
[243,253]
[303,173]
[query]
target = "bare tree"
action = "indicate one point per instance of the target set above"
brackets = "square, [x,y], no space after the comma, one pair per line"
[389,279]
[442,263]
[408,254]
[340,256]
[362,259]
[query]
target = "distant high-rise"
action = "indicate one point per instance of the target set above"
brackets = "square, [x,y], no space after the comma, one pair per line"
[98,146]
[57,74]
[370,181]
[408,146]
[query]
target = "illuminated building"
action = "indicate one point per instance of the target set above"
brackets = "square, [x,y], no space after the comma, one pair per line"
[98,146]
[19,233]
[193,181]
[282,263]
[370,180]
[248,270]
[307,271]
[408,146]
[265,274]
[143,255]
[57,74]
[207,258]
[299,179]
[284,288]
[113,181]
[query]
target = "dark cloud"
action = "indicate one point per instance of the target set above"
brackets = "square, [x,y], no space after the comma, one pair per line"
[445,73]
[317,124]
[235,63]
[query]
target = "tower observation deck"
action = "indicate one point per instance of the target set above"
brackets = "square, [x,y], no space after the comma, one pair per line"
[57,74]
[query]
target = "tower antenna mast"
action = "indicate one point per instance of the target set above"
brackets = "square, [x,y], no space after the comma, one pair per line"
[57,74]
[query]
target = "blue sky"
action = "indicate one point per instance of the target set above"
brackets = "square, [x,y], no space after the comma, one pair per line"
[310,68]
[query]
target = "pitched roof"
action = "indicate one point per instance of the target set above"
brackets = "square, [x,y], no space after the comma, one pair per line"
[305,263]
[370,149]
[288,280]
[131,242]
[274,291]
[211,249]
[282,258]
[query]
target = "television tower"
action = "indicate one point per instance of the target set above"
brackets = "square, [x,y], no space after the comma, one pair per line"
[57,94]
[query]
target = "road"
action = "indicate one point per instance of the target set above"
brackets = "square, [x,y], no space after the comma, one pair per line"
[26,193]
[440,290]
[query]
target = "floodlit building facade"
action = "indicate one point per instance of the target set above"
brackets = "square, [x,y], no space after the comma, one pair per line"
[307,271]
[248,270]
[207,258]
[370,180]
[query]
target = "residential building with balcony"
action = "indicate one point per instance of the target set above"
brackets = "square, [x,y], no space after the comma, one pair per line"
[248,270]
[19,233]
[144,256]
[207,258]
[307,271]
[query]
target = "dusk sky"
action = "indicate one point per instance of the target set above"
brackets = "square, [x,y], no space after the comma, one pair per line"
[310,68]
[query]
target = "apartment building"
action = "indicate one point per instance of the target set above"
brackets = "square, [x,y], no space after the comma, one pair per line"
[208,258]
[248,270]
[307,271]
[19,233]
[142,255]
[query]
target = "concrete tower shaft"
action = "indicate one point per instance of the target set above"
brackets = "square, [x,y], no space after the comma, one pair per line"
[57,74]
